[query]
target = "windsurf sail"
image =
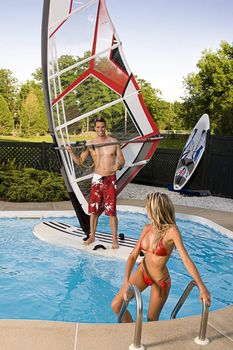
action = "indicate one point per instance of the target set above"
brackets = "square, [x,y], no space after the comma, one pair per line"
[85,76]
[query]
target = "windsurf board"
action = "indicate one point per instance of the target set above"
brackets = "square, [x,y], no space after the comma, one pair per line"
[192,153]
[65,235]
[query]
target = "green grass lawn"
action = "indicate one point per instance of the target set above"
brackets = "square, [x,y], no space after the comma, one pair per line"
[46,138]
[167,142]
[172,143]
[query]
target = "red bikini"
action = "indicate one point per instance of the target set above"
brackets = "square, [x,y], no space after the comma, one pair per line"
[160,251]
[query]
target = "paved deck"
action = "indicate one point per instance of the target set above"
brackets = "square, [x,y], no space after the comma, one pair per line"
[175,334]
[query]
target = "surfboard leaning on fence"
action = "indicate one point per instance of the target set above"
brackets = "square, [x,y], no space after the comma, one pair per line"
[191,153]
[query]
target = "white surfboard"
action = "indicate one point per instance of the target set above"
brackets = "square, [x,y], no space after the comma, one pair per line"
[192,153]
[65,235]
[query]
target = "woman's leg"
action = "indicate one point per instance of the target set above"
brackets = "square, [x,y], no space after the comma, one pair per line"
[137,279]
[158,297]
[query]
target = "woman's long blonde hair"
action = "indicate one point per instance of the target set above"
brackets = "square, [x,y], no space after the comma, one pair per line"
[161,212]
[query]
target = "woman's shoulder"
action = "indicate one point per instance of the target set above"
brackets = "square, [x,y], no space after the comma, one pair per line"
[147,228]
[172,231]
[173,228]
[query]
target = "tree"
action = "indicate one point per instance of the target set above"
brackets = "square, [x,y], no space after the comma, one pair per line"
[6,118]
[163,112]
[32,114]
[211,90]
[8,88]
[177,123]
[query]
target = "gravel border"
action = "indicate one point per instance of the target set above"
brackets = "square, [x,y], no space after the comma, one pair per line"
[134,191]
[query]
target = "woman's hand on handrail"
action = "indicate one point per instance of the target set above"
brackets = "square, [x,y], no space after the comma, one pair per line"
[125,290]
[205,295]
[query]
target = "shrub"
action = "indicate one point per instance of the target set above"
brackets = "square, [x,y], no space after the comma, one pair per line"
[31,185]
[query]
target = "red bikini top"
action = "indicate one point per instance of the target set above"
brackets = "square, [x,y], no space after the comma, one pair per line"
[160,249]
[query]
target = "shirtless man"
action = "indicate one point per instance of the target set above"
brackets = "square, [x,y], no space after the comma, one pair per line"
[107,160]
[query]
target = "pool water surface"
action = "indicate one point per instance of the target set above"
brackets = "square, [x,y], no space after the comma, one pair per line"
[44,282]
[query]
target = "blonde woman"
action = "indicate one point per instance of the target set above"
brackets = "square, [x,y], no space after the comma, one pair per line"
[157,241]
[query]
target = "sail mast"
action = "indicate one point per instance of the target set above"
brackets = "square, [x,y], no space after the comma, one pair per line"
[83,218]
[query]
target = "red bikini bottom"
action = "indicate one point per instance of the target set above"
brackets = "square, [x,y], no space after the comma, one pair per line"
[164,285]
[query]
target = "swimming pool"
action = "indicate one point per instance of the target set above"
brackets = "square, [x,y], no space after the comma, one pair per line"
[41,281]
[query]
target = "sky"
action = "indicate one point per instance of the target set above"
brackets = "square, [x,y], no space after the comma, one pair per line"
[162,39]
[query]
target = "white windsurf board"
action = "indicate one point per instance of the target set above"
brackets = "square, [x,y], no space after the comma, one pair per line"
[192,153]
[65,235]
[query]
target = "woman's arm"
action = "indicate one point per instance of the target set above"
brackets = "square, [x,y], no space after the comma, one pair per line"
[189,265]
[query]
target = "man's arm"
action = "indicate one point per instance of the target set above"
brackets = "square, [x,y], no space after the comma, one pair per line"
[78,159]
[120,158]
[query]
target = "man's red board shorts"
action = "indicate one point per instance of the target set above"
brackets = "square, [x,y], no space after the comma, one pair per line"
[103,195]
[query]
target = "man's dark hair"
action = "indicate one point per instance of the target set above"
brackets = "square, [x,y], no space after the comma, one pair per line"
[100,119]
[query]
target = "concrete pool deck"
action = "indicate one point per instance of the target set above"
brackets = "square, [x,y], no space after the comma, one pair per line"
[169,334]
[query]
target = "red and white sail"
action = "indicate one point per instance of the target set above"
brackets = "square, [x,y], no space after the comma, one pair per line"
[86,76]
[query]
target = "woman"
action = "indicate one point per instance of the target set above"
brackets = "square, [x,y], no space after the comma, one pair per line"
[157,241]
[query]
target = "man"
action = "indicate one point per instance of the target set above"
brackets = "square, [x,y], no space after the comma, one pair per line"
[107,160]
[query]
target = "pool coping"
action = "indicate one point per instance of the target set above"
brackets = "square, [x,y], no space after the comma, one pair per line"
[25,335]
[43,214]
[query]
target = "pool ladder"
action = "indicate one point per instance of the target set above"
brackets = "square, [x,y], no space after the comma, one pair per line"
[138,326]
[201,339]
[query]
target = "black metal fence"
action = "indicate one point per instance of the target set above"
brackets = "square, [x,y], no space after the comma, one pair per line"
[40,156]
[214,172]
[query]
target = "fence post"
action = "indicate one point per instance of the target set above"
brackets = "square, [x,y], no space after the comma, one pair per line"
[43,156]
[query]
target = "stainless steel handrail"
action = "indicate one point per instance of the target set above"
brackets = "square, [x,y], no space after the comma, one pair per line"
[202,340]
[138,327]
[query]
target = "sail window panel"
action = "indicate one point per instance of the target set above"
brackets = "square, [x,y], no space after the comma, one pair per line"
[91,94]
[85,186]
[55,88]
[82,130]
[116,77]
[105,30]
[63,138]
[123,126]
[119,125]
[69,70]
[58,114]
[73,41]
[117,59]
[52,89]
[76,5]
[84,169]
[137,107]
[57,11]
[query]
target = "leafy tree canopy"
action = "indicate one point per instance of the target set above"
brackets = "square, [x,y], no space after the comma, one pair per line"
[32,109]
[6,118]
[211,90]
[8,88]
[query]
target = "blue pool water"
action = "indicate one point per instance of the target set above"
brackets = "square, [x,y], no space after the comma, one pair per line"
[42,281]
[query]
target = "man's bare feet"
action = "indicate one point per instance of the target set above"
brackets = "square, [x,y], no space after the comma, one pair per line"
[89,240]
[115,245]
